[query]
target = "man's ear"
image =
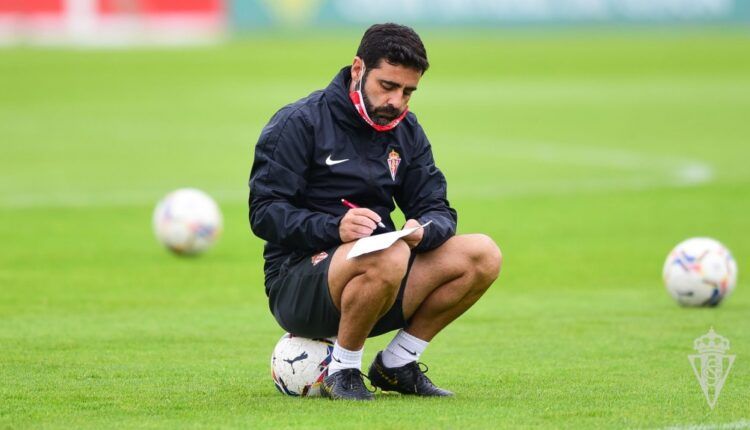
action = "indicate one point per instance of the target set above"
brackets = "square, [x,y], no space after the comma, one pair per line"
[357,66]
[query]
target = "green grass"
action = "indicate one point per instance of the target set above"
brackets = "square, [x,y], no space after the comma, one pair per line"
[586,156]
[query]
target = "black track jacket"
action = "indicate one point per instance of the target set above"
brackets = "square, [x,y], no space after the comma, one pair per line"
[299,177]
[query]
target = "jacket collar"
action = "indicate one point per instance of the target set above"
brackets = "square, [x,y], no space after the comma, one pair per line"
[343,108]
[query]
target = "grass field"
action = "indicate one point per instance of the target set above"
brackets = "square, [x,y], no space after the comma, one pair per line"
[586,156]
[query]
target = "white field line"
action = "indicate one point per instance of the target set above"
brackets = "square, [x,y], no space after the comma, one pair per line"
[641,171]
[634,170]
[735,425]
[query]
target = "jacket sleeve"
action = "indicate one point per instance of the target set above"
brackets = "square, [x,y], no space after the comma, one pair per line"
[277,185]
[423,196]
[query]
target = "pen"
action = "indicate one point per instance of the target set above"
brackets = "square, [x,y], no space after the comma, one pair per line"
[351,205]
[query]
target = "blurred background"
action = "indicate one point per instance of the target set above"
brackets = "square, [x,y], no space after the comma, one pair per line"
[587,137]
[127,22]
[150,71]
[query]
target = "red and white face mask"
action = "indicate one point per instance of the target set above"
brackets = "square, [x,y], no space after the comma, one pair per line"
[359,104]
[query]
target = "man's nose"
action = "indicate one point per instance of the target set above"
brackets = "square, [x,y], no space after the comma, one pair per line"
[396,100]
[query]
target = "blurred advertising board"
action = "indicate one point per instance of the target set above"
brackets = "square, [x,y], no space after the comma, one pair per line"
[112,22]
[265,13]
[134,22]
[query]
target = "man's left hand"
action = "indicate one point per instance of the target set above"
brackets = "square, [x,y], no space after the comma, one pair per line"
[413,239]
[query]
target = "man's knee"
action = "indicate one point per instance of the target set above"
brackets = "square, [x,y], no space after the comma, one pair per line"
[388,267]
[485,258]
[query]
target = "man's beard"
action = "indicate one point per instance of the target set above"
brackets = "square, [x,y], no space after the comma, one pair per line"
[382,115]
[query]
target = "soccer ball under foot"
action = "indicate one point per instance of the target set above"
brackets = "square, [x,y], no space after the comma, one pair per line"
[299,365]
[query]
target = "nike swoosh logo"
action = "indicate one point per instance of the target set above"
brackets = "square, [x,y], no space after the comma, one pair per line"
[414,353]
[331,162]
[335,359]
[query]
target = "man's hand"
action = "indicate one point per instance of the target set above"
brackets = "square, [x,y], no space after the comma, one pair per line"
[413,239]
[357,223]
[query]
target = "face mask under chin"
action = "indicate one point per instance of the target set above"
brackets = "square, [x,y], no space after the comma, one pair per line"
[357,97]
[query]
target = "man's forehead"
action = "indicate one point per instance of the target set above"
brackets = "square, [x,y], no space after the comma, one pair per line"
[403,76]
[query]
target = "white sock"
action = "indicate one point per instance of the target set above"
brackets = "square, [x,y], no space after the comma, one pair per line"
[403,349]
[342,358]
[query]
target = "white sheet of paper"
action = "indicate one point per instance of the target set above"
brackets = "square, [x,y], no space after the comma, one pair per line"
[380,241]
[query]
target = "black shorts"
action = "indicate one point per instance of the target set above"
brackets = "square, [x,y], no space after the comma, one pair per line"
[302,305]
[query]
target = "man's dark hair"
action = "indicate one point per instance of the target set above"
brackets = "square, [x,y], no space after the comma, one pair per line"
[397,44]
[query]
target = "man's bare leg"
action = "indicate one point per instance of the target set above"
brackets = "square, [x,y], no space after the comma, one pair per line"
[364,288]
[447,281]
[442,284]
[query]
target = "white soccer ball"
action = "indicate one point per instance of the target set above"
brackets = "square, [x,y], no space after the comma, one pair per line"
[700,272]
[299,365]
[187,221]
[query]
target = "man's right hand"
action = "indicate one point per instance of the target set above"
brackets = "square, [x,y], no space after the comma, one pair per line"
[357,223]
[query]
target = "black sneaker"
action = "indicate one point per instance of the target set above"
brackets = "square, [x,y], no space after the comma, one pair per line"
[346,384]
[407,379]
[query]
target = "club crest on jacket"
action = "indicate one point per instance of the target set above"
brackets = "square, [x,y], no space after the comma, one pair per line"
[393,161]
